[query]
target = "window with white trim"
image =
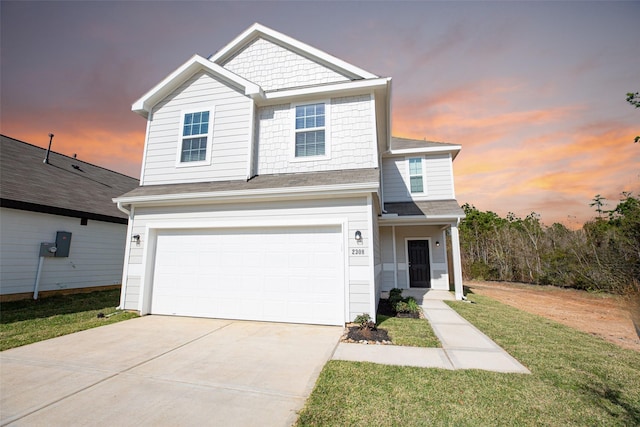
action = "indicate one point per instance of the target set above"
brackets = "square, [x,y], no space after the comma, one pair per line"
[416,181]
[195,135]
[310,130]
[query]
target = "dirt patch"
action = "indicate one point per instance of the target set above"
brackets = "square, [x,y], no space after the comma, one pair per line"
[606,316]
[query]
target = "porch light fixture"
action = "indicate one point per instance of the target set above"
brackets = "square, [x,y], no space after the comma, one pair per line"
[437,244]
[358,236]
[136,238]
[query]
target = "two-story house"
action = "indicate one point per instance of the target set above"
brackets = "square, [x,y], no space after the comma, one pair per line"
[271,189]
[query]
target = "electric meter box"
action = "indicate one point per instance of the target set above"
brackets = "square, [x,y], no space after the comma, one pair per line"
[48,249]
[63,244]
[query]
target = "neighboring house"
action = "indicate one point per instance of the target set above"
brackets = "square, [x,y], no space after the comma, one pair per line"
[37,200]
[272,190]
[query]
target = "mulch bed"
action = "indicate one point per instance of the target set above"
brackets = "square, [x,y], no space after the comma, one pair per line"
[380,336]
[366,336]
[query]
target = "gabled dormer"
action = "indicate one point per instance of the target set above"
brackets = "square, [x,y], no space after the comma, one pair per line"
[263,104]
[418,170]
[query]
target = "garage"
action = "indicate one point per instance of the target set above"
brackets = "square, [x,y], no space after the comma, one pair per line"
[280,274]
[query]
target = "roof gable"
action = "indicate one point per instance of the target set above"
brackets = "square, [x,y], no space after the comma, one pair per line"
[274,67]
[64,186]
[197,63]
[258,31]
[333,76]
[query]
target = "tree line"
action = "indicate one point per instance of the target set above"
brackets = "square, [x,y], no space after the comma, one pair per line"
[603,255]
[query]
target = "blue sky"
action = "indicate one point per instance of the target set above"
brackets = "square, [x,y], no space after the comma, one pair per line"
[533,91]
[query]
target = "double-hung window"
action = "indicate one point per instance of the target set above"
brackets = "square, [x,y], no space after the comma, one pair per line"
[310,138]
[416,180]
[195,136]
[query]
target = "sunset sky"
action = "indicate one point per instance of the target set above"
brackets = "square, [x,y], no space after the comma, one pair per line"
[534,92]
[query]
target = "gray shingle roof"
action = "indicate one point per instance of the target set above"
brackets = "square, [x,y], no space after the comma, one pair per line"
[427,208]
[65,186]
[410,144]
[260,182]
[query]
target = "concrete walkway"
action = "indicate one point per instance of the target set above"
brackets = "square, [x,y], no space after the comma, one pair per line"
[463,345]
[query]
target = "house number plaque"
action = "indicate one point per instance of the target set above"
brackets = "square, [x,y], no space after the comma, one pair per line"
[358,252]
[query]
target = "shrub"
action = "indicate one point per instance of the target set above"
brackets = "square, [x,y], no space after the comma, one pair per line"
[365,322]
[407,305]
[395,296]
[361,319]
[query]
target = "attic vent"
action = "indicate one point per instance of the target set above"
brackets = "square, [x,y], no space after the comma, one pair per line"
[76,167]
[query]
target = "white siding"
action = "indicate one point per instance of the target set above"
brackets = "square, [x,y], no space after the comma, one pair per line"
[352,138]
[231,133]
[354,210]
[95,258]
[438,179]
[394,187]
[439,176]
[273,67]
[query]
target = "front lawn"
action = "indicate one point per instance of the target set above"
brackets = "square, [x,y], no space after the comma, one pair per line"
[409,332]
[27,321]
[576,379]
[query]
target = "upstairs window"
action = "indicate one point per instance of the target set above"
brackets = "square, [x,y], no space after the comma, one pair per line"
[415,175]
[195,133]
[310,130]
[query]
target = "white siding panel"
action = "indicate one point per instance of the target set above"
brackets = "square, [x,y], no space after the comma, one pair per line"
[352,138]
[439,170]
[274,67]
[95,258]
[438,179]
[353,210]
[231,132]
[394,180]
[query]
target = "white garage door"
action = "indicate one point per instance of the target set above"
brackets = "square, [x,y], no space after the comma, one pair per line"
[287,274]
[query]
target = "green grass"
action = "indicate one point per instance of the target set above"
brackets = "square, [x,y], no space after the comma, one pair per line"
[576,379]
[28,321]
[409,332]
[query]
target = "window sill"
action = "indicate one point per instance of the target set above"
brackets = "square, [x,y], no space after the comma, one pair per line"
[192,164]
[309,159]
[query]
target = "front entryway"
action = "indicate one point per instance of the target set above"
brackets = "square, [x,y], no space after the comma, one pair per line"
[419,270]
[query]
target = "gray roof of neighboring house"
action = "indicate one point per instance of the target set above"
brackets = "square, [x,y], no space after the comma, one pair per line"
[449,208]
[410,144]
[261,182]
[66,186]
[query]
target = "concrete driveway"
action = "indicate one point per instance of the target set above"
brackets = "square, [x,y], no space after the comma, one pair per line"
[158,370]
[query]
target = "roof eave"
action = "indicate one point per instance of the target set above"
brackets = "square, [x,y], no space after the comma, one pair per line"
[250,195]
[387,219]
[454,149]
[342,89]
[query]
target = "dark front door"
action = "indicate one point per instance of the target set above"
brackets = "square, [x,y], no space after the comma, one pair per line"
[419,272]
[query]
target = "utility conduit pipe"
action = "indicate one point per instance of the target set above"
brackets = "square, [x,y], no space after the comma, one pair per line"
[37,284]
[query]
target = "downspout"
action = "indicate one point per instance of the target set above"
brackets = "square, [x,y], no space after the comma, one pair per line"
[395,256]
[252,135]
[127,249]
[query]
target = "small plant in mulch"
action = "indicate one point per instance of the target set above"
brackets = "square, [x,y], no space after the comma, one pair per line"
[365,331]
